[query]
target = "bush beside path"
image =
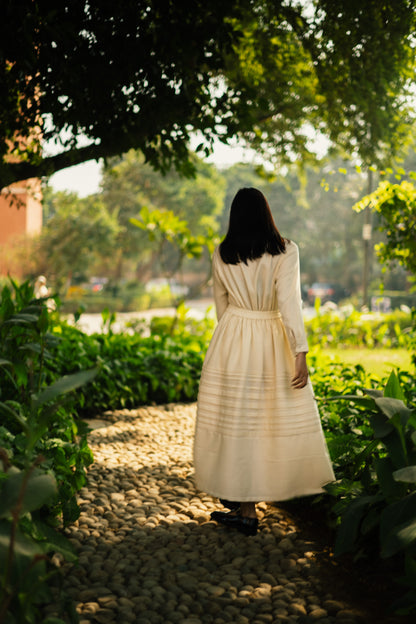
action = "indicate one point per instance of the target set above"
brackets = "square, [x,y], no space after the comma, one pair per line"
[149,554]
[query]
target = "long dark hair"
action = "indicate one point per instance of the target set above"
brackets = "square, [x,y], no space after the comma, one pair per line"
[251,229]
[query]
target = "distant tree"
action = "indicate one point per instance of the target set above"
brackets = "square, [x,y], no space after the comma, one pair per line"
[98,78]
[174,243]
[128,182]
[130,185]
[76,233]
[315,211]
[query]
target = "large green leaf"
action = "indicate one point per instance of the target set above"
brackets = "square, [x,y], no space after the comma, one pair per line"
[38,490]
[374,394]
[55,541]
[370,521]
[407,474]
[390,407]
[393,388]
[396,448]
[35,308]
[395,516]
[25,550]
[15,415]
[63,385]
[355,398]
[381,425]
[399,538]
[22,319]
[364,454]
[384,469]
[35,347]
[350,524]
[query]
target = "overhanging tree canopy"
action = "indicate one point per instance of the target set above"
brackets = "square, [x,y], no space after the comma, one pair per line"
[100,77]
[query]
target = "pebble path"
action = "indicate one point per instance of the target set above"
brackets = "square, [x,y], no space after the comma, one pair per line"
[149,553]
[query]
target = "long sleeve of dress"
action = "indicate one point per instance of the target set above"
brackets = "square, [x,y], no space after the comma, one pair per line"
[220,292]
[289,298]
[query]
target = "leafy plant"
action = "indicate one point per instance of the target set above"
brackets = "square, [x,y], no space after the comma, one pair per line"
[26,541]
[43,454]
[38,415]
[396,205]
[134,369]
[377,502]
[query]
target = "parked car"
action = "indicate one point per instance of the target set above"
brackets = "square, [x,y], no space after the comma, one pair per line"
[326,292]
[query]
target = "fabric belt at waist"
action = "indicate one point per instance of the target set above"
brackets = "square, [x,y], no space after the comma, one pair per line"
[254,314]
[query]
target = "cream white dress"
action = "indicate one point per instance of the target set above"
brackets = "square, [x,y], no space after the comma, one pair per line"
[257,438]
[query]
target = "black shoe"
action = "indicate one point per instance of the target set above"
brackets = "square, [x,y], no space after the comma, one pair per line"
[248,526]
[219,515]
[233,505]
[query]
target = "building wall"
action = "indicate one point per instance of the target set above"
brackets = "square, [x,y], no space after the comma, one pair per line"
[20,219]
[20,211]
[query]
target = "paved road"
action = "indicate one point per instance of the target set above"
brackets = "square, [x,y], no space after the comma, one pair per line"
[93,323]
[198,308]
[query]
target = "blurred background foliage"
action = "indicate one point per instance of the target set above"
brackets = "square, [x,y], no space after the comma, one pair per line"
[94,254]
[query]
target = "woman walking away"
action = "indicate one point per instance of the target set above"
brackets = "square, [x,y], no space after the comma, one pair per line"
[258,433]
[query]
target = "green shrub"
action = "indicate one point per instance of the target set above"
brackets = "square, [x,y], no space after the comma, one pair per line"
[350,328]
[38,414]
[412,341]
[376,495]
[134,370]
[43,454]
[366,446]
[345,426]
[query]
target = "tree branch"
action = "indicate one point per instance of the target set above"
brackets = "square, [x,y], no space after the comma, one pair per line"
[14,172]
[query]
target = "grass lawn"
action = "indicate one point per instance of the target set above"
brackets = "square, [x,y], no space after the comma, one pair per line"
[377,361]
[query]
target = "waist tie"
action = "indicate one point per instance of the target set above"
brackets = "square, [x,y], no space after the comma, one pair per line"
[254,314]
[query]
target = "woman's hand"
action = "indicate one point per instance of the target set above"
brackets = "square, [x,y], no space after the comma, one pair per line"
[301,372]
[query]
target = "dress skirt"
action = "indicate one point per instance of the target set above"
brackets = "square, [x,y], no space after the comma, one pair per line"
[256,438]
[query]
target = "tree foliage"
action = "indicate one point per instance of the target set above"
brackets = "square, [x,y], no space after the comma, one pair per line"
[315,211]
[163,228]
[177,215]
[76,232]
[170,208]
[129,183]
[97,235]
[365,61]
[396,205]
[99,78]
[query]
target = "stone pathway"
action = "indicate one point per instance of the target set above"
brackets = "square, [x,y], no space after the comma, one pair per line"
[149,554]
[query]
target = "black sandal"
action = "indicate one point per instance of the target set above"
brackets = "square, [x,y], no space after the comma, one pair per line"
[245,525]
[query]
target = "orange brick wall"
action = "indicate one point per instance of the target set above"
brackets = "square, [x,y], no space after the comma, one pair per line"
[20,211]
[20,220]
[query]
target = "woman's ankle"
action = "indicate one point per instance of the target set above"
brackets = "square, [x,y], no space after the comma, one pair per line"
[248,510]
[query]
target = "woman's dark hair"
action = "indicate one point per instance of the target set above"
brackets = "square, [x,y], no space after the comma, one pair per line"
[251,229]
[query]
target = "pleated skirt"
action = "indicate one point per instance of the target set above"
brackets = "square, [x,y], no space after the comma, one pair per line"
[256,438]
